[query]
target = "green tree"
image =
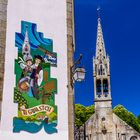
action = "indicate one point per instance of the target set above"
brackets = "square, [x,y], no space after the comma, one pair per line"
[138,119]
[127,116]
[82,113]
[89,111]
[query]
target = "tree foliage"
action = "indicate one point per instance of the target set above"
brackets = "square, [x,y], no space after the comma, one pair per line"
[138,119]
[82,113]
[127,116]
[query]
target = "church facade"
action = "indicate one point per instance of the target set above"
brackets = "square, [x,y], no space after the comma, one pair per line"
[104,124]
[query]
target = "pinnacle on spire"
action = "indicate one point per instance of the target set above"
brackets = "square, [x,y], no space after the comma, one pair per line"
[100,45]
[99,10]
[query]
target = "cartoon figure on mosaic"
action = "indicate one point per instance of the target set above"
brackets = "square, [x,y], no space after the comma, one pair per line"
[36,76]
[26,66]
[32,75]
[35,88]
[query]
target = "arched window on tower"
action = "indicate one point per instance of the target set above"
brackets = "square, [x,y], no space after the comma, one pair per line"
[100,70]
[105,87]
[98,87]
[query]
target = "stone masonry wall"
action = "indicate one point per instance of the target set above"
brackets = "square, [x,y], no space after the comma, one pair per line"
[70,52]
[3,22]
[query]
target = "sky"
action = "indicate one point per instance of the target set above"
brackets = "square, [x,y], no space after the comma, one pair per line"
[120,21]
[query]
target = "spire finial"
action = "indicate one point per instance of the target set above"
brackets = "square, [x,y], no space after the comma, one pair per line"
[100,46]
[98,11]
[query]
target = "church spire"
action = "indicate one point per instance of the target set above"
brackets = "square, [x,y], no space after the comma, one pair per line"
[100,45]
[101,67]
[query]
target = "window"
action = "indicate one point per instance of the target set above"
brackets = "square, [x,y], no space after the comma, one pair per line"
[101,70]
[105,86]
[134,138]
[98,87]
[123,136]
[103,119]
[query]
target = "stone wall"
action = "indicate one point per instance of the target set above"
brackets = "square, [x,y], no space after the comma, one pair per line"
[121,130]
[70,44]
[3,20]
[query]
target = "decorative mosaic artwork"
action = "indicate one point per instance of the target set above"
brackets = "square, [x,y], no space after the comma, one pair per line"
[35,89]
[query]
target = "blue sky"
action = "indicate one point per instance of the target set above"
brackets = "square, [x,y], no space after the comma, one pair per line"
[120,21]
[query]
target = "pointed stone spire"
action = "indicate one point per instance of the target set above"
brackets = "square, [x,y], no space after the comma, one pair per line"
[100,45]
[101,66]
[26,44]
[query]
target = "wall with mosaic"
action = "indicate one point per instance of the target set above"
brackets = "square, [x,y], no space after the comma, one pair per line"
[35,89]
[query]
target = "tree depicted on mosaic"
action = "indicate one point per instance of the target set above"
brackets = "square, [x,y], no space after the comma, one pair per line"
[35,90]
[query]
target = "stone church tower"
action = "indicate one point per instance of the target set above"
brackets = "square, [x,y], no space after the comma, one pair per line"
[102,91]
[104,124]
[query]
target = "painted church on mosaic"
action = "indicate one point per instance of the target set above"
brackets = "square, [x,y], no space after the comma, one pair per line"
[104,124]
